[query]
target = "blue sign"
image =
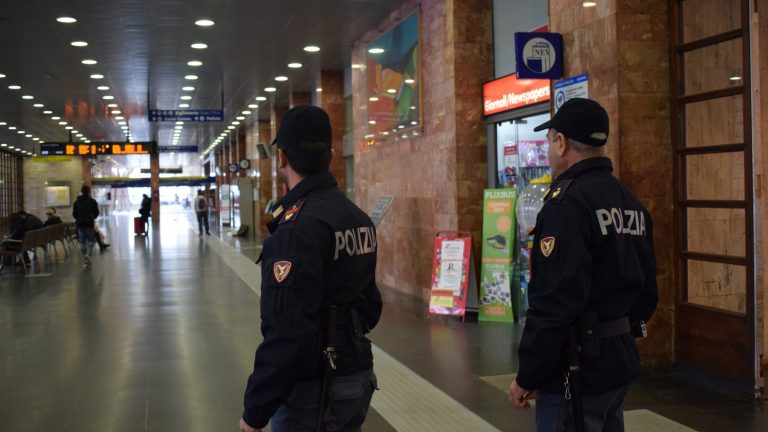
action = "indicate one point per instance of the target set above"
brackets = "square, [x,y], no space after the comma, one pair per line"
[186,115]
[539,55]
[177,149]
[574,87]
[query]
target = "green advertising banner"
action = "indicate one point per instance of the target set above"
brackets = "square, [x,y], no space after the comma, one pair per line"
[498,255]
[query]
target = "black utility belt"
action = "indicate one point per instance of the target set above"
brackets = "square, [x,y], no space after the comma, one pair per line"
[591,331]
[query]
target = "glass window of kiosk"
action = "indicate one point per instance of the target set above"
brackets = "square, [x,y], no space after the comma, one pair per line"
[521,153]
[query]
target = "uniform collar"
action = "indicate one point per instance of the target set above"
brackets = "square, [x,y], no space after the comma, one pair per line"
[583,166]
[304,187]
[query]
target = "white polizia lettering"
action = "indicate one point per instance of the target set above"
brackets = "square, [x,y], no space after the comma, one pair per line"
[622,221]
[355,241]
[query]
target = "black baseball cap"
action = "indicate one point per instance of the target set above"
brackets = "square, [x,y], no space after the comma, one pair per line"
[583,120]
[303,123]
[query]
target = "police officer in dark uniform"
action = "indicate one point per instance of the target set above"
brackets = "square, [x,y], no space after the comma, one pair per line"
[318,294]
[593,283]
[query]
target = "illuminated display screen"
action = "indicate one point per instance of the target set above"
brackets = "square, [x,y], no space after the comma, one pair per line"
[104,148]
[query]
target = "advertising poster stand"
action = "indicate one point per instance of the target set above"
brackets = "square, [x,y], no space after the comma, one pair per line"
[497,299]
[453,283]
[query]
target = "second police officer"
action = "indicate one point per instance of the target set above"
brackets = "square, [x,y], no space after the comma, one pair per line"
[593,283]
[314,368]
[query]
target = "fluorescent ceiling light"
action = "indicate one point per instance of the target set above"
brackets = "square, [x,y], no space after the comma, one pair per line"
[410,81]
[588,4]
[190,77]
[55,118]
[230,127]
[204,22]
[199,45]
[38,105]
[261,98]
[102,88]
[391,91]
[188,88]
[112,105]
[14,127]
[357,66]
[281,78]
[28,97]
[47,112]
[107,97]
[97,76]
[194,63]
[246,112]
[311,48]
[14,87]
[186,98]
[69,128]
[184,105]
[270,89]
[88,62]
[179,122]
[66,20]
[119,118]
[253,106]
[116,111]
[62,123]
[2,75]
[240,118]
[235,122]
[373,98]
[376,50]
[294,65]
[319,90]
[79,43]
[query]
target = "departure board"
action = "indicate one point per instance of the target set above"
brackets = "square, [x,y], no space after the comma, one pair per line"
[97,148]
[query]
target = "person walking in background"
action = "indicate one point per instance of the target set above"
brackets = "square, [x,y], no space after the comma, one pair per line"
[201,210]
[145,210]
[85,212]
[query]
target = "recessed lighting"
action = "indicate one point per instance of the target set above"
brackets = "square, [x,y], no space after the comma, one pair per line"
[107,97]
[28,135]
[281,78]
[235,122]
[97,76]
[199,45]
[239,118]
[410,81]
[391,91]
[20,132]
[183,105]
[89,62]
[119,118]
[186,98]
[311,48]
[373,122]
[66,20]
[179,122]
[188,88]
[2,75]
[178,127]
[270,89]
[62,123]
[190,77]
[28,97]
[112,105]
[102,88]
[294,65]
[55,118]
[122,123]
[376,50]
[13,127]
[357,66]
[413,107]
[79,43]
[69,128]
[373,98]
[735,78]
[261,98]
[319,90]
[194,63]
[38,105]
[3,145]
[246,112]
[14,87]
[253,106]
[587,4]
[35,139]
[230,127]
[117,111]
[204,22]
[47,112]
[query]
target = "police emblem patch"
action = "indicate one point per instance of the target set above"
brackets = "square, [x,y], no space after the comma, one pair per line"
[281,269]
[547,245]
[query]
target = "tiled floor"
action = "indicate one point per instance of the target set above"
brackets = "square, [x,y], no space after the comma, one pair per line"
[159,336]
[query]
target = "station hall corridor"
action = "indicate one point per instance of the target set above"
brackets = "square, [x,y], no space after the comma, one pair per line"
[159,335]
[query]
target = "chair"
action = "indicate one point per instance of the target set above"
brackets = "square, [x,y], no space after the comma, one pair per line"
[26,243]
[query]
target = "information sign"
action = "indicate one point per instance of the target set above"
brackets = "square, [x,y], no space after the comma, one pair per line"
[177,149]
[382,206]
[193,116]
[570,88]
[96,148]
[539,55]
[453,274]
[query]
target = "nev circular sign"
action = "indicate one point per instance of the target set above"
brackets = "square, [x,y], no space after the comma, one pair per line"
[539,55]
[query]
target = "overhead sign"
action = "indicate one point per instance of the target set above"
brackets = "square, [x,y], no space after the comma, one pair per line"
[539,55]
[177,149]
[96,148]
[570,88]
[509,93]
[186,115]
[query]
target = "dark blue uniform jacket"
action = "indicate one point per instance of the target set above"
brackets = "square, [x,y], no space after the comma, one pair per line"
[593,251]
[322,252]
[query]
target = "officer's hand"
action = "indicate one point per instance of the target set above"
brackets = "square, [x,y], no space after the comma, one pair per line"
[519,396]
[245,428]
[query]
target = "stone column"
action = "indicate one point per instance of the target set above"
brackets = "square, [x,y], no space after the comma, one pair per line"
[760,157]
[300,98]
[331,99]
[624,46]
[87,176]
[264,175]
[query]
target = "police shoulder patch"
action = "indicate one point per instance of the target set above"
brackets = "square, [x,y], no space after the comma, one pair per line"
[547,245]
[292,213]
[281,270]
[559,191]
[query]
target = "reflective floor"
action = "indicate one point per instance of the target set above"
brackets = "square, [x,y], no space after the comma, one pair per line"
[159,335]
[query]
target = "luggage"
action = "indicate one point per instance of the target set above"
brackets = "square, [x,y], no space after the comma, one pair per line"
[138,226]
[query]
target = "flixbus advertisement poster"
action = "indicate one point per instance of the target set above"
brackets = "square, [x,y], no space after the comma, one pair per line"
[450,275]
[498,254]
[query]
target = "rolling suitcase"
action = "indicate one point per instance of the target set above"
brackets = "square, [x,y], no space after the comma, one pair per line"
[138,226]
